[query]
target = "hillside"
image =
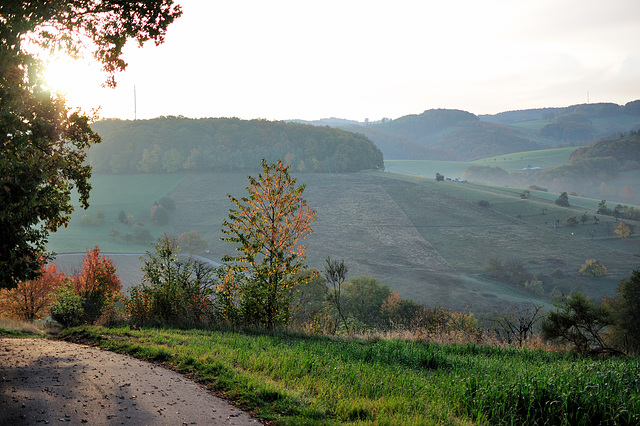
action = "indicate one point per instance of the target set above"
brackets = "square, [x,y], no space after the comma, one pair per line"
[175,144]
[625,150]
[429,241]
[444,135]
[608,169]
[577,124]
[454,135]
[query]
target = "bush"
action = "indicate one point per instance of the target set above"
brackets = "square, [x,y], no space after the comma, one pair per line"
[512,272]
[572,221]
[30,300]
[625,333]
[141,234]
[192,242]
[579,322]
[67,309]
[168,203]
[563,200]
[535,287]
[97,284]
[122,217]
[593,268]
[172,291]
[160,215]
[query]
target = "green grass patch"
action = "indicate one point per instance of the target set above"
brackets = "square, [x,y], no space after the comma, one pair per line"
[545,159]
[530,126]
[426,168]
[297,379]
[135,194]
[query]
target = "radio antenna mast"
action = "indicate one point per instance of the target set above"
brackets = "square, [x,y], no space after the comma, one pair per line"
[135,105]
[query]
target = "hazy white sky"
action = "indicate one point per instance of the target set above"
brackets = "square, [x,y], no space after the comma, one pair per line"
[354,59]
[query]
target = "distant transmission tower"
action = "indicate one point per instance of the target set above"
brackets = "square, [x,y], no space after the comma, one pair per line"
[587,96]
[135,105]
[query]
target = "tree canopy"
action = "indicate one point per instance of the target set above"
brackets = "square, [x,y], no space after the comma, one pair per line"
[43,141]
[172,144]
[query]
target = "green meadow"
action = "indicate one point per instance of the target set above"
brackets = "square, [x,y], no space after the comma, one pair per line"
[134,194]
[545,159]
[300,379]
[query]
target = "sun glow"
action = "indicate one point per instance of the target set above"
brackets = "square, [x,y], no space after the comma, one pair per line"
[77,80]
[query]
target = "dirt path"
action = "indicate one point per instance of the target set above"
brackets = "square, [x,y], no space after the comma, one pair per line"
[46,382]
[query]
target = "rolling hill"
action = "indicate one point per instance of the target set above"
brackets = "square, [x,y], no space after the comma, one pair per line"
[178,144]
[454,135]
[429,241]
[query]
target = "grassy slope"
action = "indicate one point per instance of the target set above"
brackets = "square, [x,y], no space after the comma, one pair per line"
[430,241]
[293,379]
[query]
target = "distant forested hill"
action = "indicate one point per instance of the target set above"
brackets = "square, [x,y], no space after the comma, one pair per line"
[626,150]
[172,144]
[573,125]
[441,134]
[445,134]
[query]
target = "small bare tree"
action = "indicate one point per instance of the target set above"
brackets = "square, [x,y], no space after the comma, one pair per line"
[336,275]
[518,326]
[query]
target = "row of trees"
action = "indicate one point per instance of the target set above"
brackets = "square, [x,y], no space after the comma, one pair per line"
[619,212]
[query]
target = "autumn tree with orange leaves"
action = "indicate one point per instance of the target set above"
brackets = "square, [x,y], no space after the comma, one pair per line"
[268,226]
[30,300]
[97,284]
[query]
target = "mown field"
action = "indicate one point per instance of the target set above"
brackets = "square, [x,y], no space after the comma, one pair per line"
[429,241]
[298,380]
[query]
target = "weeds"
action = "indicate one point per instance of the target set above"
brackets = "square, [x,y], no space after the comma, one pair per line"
[20,328]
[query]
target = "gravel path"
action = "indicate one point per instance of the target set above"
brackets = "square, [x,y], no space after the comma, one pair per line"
[47,381]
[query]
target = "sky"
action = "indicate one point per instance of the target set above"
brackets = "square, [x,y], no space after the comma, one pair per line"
[353,59]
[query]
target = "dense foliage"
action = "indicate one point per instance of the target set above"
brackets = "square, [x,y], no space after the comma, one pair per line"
[172,144]
[44,142]
[624,149]
[625,308]
[97,284]
[174,291]
[578,321]
[78,299]
[30,300]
